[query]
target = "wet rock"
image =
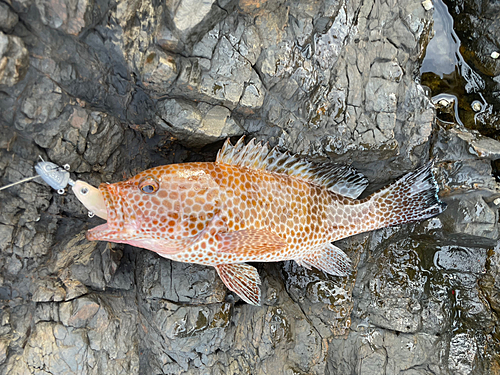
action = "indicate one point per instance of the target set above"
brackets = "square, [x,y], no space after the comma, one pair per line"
[8,19]
[490,283]
[463,349]
[471,214]
[387,304]
[457,142]
[14,59]
[326,300]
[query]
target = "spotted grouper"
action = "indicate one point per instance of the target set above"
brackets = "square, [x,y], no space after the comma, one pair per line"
[254,204]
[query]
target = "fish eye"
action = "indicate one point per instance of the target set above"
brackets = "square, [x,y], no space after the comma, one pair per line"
[149,185]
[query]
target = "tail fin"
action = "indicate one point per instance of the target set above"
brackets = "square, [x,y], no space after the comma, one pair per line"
[413,197]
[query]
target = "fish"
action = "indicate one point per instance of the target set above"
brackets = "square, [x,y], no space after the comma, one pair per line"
[255,204]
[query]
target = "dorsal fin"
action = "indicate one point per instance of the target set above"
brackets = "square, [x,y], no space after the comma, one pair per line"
[341,179]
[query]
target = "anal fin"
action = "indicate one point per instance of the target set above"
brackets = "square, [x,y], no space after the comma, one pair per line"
[329,259]
[242,279]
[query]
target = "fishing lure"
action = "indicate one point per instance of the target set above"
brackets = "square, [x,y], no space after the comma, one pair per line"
[252,204]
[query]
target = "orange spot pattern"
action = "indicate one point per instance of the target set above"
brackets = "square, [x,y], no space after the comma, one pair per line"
[196,202]
[221,214]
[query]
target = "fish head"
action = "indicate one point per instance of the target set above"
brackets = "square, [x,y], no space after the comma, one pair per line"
[162,206]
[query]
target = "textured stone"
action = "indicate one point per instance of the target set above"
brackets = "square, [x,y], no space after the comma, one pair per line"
[463,349]
[189,13]
[66,15]
[229,72]
[14,59]
[197,126]
[327,79]
[8,19]
[5,237]
[470,214]
[159,70]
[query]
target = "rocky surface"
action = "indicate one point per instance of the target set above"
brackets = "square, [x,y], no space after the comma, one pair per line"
[114,88]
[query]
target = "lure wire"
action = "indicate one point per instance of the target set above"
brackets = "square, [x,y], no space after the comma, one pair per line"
[19,182]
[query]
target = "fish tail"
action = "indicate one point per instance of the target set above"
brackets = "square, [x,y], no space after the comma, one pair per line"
[413,197]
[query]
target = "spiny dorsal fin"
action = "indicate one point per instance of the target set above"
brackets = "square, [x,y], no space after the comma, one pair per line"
[341,179]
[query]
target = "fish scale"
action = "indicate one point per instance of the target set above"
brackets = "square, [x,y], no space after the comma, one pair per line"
[257,204]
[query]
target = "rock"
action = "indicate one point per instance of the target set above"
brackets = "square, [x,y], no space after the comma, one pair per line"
[470,214]
[8,19]
[49,291]
[159,70]
[3,350]
[205,47]
[69,16]
[5,237]
[197,126]
[229,73]
[81,355]
[116,90]
[463,349]
[179,282]
[189,13]
[78,312]
[14,59]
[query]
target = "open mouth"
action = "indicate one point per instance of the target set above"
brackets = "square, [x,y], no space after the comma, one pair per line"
[114,229]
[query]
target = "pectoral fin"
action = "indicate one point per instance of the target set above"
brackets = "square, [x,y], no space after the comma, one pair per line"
[241,279]
[330,259]
[250,242]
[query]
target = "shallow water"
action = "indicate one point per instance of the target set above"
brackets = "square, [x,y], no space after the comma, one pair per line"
[457,90]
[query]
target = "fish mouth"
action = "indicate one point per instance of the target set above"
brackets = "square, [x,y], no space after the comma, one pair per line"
[115,229]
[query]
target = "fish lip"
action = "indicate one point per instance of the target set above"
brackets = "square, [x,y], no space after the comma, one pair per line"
[97,233]
[110,231]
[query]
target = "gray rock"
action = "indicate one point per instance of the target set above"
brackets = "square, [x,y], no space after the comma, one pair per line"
[463,349]
[5,237]
[329,80]
[8,19]
[205,47]
[197,126]
[159,70]
[470,214]
[179,282]
[69,16]
[3,350]
[225,82]
[189,13]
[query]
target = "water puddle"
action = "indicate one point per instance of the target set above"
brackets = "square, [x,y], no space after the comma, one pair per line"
[456,89]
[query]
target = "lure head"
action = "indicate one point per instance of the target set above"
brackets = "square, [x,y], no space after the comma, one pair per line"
[159,209]
[91,198]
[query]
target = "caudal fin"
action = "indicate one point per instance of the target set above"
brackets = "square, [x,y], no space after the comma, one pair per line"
[413,197]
